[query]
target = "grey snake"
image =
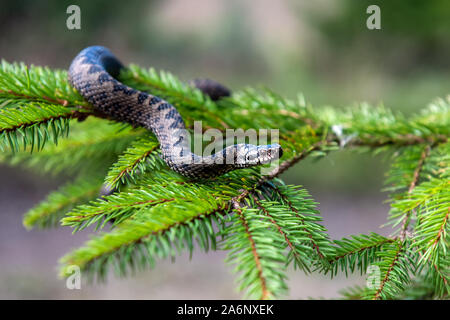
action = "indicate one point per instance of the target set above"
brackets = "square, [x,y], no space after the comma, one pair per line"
[93,74]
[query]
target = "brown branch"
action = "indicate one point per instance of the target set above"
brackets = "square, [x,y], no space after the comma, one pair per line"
[265,291]
[63,102]
[386,277]
[441,229]
[154,233]
[402,140]
[441,276]
[362,249]
[26,125]
[260,206]
[439,272]
[73,114]
[95,213]
[412,185]
[185,223]
[81,111]
[291,206]
[130,168]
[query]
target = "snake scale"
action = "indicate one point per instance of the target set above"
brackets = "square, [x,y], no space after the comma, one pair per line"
[93,74]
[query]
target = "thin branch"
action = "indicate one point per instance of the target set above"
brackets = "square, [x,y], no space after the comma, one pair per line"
[412,185]
[289,243]
[72,114]
[155,233]
[100,212]
[440,274]
[386,277]
[402,140]
[265,292]
[314,244]
[435,266]
[441,229]
[388,240]
[130,168]
[62,102]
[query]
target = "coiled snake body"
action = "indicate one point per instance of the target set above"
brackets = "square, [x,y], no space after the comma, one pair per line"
[93,73]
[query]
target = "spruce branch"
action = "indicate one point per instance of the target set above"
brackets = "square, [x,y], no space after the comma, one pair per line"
[412,185]
[294,249]
[136,243]
[357,252]
[257,250]
[55,206]
[438,275]
[20,83]
[182,202]
[298,201]
[139,157]
[396,266]
[278,216]
[36,104]
[92,146]
[388,273]
[432,231]
[407,171]
[122,205]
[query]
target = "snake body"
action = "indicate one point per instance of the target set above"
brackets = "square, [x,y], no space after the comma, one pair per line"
[93,74]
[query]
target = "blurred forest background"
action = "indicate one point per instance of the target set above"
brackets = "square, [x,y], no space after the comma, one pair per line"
[320,48]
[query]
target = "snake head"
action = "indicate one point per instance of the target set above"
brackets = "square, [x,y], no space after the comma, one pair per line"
[248,155]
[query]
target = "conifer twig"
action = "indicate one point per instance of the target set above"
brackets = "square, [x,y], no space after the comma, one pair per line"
[388,272]
[412,185]
[265,292]
[285,236]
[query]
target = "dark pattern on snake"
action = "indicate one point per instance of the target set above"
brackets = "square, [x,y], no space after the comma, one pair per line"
[93,73]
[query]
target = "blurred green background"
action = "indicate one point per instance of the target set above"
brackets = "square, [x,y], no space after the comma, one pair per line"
[320,48]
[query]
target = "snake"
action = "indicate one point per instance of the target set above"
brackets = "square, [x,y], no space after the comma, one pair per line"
[94,73]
